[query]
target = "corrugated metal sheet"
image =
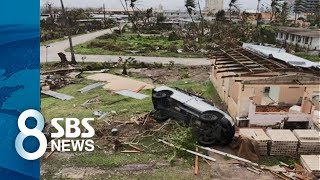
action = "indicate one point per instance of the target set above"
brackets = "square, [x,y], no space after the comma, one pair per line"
[280,54]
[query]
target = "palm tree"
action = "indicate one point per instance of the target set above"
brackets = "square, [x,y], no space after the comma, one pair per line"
[274,8]
[202,19]
[73,59]
[232,4]
[190,5]
[125,6]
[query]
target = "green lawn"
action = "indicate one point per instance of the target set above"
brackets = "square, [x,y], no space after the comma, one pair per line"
[113,44]
[314,58]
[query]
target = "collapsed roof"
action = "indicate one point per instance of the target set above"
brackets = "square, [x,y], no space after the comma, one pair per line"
[244,62]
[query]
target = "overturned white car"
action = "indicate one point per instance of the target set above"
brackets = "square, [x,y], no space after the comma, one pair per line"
[212,126]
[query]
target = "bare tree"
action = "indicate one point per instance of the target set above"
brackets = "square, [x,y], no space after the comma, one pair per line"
[73,58]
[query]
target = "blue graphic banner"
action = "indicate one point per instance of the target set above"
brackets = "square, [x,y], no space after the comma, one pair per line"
[19,83]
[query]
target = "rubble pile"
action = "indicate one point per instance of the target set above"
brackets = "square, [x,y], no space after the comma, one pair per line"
[48,82]
[259,136]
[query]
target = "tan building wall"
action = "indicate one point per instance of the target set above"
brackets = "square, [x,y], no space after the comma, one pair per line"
[290,94]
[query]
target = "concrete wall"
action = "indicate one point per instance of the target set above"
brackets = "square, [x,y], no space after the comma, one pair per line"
[290,95]
[272,118]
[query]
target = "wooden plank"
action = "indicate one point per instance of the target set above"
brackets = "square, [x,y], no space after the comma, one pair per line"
[189,151]
[229,155]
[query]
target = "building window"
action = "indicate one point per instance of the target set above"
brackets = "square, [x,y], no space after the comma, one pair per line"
[299,39]
[310,40]
[306,40]
[281,35]
[287,36]
[292,37]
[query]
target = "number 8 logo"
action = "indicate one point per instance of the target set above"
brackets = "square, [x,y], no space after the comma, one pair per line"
[35,132]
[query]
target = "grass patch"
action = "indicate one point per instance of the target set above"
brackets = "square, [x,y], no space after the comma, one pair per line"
[275,160]
[51,107]
[304,55]
[112,160]
[155,46]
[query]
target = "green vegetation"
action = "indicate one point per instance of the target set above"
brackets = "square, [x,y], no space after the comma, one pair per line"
[125,107]
[275,160]
[130,44]
[314,58]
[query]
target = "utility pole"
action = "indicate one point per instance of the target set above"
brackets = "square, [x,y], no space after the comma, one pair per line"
[73,58]
[104,16]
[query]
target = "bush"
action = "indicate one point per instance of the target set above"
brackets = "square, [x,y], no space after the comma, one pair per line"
[173,36]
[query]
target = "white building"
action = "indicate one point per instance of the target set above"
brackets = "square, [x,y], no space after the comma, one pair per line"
[214,5]
[307,38]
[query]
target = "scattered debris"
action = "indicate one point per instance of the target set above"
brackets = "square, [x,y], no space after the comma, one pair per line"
[114,131]
[74,75]
[189,151]
[56,81]
[259,136]
[196,163]
[229,155]
[140,89]
[94,72]
[130,151]
[57,95]
[131,94]
[90,87]
[60,71]
[100,114]
[94,100]
[116,83]
[254,171]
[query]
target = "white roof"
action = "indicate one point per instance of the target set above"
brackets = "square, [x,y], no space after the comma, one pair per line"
[280,54]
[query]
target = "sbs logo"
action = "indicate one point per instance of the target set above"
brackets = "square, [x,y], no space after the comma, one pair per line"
[74,139]
[35,132]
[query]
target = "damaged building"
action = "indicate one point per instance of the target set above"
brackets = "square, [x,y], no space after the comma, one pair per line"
[263,88]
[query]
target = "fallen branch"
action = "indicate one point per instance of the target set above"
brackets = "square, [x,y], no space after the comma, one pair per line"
[189,151]
[229,155]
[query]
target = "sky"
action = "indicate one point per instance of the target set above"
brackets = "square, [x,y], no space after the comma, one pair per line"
[167,4]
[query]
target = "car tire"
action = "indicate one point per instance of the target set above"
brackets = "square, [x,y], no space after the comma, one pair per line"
[162,94]
[209,117]
[206,135]
[159,116]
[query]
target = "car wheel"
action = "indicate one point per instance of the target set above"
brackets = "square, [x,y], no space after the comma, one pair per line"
[209,117]
[159,116]
[161,94]
[206,135]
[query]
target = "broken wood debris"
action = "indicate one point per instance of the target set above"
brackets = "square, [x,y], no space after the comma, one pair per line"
[196,163]
[253,170]
[90,87]
[131,94]
[100,114]
[130,151]
[189,151]
[229,155]
[57,95]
